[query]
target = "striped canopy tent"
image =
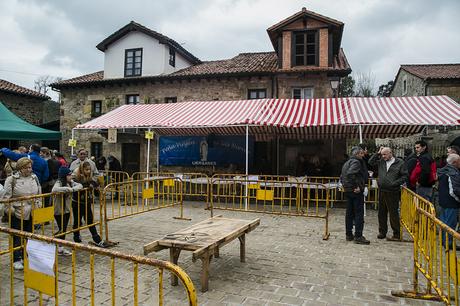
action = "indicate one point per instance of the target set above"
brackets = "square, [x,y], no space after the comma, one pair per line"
[287,118]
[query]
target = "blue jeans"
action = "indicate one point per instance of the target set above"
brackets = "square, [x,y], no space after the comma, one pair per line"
[354,213]
[449,217]
[425,192]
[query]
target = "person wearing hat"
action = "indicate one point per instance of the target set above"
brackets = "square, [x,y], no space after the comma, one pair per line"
[64,186]
[354,178]
[21,184]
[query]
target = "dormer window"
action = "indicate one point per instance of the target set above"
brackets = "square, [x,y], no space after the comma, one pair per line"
[172,57]
[305,48]
[133,62]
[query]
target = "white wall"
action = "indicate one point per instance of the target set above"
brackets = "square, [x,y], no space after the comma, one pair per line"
[155,56]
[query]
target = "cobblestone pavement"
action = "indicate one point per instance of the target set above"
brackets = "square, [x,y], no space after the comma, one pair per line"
[287,263]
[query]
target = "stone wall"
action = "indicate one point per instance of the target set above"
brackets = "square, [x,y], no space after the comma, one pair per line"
[28,108]
[448,88]
[414,85]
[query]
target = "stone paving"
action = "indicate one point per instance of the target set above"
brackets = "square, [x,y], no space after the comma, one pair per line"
[287,263]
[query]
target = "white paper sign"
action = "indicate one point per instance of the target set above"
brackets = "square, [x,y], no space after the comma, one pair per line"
[41,256]
[112,136]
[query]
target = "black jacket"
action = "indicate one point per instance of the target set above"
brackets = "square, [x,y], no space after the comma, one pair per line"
[392,179]
[425,162]
[449,187]
[354,174]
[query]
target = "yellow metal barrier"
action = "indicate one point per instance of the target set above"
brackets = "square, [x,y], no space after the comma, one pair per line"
[81,208]
[336,193]
[119,200]
[410,201]
[288,197]
[150,175]
[108,177]
[109,272]
[435,258]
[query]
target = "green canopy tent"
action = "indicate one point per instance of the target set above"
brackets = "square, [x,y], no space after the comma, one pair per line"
[14,128]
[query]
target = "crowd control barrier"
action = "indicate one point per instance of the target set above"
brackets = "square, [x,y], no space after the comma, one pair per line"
[120,200]
[46,208]
[107,177]
[90,276]
[410,201]
[435,259]
[288,197]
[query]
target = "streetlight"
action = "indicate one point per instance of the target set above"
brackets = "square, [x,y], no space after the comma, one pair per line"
[334,85]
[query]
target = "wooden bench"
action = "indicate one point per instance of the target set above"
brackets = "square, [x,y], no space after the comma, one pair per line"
[204,239]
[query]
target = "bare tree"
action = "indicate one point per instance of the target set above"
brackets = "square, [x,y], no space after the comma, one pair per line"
[42,83]
[365,85]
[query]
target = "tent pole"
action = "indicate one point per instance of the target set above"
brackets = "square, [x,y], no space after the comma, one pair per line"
[360,129]
[247,145]
[158,153]
[73,137]
[148,154]
[277,155]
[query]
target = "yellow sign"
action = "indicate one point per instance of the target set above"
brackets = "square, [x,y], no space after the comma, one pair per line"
[264,195]
[112,136]
[41,215]
[148,135]
[72,143]
[168,183]
[148,193]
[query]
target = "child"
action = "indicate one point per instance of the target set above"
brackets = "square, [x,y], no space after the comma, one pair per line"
[63,202]
[81,204]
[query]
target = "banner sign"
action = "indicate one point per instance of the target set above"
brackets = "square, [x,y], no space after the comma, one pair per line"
[205,151]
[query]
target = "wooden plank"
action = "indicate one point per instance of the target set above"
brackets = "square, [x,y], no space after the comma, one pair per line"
[152,247]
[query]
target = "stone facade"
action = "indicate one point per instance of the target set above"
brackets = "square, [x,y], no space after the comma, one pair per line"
[33,110]
[415,86]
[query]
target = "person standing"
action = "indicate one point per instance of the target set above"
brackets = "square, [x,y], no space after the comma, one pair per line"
[82,155]
[22,183]
[422,171]
[39,165]
[354,178]
[449,192]
[53,168]
[392,174]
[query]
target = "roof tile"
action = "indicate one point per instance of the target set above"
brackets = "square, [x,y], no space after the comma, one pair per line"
[16,89]
[434,71]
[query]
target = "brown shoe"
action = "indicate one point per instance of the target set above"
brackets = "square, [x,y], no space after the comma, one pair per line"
[381,236]
[394,238]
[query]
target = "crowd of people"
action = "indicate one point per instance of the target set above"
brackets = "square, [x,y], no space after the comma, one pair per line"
[40,170]
[418,172]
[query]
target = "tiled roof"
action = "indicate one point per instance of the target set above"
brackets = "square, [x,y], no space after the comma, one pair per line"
[243,63]
[19,90]
[134,26]
[434,71]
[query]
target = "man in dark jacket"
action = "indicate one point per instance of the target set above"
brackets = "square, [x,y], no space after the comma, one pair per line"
[420,172]
[39,165]
[354,178]
[449,192]
[392,174]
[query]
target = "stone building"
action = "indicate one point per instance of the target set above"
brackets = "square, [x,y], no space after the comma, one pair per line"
[428,80]
[144,66]
[31,106]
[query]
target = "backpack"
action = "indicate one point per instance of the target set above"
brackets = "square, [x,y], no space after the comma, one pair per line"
[415,174]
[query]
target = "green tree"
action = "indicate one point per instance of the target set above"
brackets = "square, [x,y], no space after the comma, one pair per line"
[347,87]
[385,89]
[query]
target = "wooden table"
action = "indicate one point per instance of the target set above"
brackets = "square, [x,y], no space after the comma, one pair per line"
[204,239]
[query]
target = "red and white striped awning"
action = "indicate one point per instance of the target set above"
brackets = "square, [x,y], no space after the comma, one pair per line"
[287,118]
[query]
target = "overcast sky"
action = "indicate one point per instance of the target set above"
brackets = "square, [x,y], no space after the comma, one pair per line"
[59,38]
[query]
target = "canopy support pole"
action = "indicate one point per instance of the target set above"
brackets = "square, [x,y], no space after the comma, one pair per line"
[158,153]
[148,154]
[360,129]
[246,202]
[73,137]
[247,146]
[277,155]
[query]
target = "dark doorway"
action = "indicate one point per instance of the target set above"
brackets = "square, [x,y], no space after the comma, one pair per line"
[130,157]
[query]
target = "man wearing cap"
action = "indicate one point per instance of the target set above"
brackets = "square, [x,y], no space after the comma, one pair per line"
[39,165]
[354,178]
[82,155]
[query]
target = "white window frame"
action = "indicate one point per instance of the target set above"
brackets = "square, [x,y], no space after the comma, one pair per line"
[303,92]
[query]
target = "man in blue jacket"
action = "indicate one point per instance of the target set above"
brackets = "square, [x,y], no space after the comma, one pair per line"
[449,192]
[39,165]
